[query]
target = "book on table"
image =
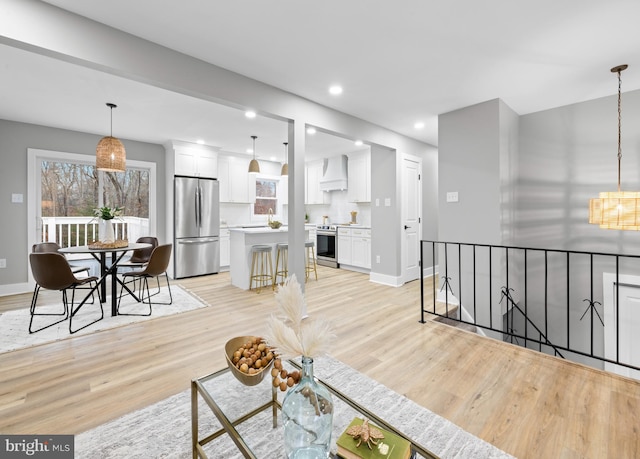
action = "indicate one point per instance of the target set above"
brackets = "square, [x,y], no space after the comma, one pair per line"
[392,446]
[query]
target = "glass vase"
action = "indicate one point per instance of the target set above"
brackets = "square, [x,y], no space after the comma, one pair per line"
[307,412]
[107,232]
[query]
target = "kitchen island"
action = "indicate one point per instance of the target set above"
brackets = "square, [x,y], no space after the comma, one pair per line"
[241,240]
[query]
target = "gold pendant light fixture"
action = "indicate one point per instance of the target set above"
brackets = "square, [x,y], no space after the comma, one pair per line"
[110,153]
[254,166]
[285,166]
[616,209]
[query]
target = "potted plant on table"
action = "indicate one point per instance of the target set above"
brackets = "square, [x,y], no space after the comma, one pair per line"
[105,214]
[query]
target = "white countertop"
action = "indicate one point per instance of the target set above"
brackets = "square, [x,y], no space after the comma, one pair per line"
[355,226]
[260,229]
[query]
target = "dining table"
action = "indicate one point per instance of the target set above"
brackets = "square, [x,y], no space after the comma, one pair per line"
[100,254]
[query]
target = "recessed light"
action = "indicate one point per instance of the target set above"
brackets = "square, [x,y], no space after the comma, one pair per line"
[200,142]
[418,125]
[250,150]
[250,114]
[272,158]
[311,130]
[358,143]
[335,90]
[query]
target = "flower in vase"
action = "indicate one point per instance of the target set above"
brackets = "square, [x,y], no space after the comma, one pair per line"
[108,213]
[289,332]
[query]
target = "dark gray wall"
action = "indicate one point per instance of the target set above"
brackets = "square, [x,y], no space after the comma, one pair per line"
[15,139]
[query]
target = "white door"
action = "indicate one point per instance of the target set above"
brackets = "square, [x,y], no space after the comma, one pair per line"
[626,322]
[411,205]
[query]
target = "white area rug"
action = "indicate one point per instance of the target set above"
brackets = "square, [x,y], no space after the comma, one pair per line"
[163,430]
[14,325]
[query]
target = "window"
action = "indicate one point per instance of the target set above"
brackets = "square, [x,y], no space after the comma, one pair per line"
[67,187]
[266,196]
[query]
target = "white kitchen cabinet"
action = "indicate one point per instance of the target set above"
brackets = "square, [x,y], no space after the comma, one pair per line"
[236,184]
[194,160]
[359,174]
[313,194]
[361,247]
[354,247]
[344,246]
[225,249]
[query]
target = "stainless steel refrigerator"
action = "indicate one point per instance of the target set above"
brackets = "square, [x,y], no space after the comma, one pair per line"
[196,210]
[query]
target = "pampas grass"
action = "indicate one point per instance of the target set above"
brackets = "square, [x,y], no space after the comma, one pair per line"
[286,330]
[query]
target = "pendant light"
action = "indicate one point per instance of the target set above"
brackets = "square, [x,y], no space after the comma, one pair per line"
[616,209]
[285,166]
[254,167]
[110,153]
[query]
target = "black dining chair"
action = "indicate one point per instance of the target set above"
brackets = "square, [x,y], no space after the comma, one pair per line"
[51,271]
[155,268]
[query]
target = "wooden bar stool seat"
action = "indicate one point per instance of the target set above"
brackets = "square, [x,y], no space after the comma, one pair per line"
[261,267]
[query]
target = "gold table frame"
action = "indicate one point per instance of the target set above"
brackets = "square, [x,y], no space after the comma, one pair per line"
[228,425]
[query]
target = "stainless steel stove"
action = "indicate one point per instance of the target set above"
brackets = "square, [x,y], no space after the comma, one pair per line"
[327,245]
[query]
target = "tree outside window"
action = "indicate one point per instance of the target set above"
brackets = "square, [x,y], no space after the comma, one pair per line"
[266,196]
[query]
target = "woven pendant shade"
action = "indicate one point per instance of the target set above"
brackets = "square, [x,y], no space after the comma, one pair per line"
[618,210]
[110,155]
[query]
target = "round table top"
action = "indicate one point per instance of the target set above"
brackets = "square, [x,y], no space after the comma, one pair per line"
[86,249]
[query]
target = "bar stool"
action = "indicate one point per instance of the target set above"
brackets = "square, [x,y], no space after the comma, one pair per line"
[282,258]
[261,267]
[311,259]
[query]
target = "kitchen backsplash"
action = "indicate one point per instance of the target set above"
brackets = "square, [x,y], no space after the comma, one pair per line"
[339,211]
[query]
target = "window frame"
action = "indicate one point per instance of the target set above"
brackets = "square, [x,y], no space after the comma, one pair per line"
[277,212]
[35,157]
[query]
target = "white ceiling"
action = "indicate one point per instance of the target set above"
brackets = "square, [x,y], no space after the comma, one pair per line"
[399,62]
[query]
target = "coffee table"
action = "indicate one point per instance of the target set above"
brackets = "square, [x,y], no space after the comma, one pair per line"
[249,416]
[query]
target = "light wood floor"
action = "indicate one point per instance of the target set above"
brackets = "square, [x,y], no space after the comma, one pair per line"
[530,405]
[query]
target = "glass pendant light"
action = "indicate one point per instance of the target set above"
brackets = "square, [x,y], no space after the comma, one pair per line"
[285,166]
[110,153]
[254,166]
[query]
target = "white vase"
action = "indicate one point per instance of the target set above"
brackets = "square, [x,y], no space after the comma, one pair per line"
[106,232]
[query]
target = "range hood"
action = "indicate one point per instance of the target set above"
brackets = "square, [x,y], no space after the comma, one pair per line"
[334,175]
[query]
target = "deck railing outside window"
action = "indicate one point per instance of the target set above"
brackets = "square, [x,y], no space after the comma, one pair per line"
[75,231]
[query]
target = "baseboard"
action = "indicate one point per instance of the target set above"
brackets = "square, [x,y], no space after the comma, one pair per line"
[384,279]
[14,289]
[429,272]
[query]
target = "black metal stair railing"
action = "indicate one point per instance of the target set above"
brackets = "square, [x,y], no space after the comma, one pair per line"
[545,290]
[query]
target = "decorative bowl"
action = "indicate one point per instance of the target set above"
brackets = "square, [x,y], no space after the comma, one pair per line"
[248,380]
[275,224]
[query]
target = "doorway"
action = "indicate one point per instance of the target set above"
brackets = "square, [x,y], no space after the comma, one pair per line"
[410,213]
[621,340]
